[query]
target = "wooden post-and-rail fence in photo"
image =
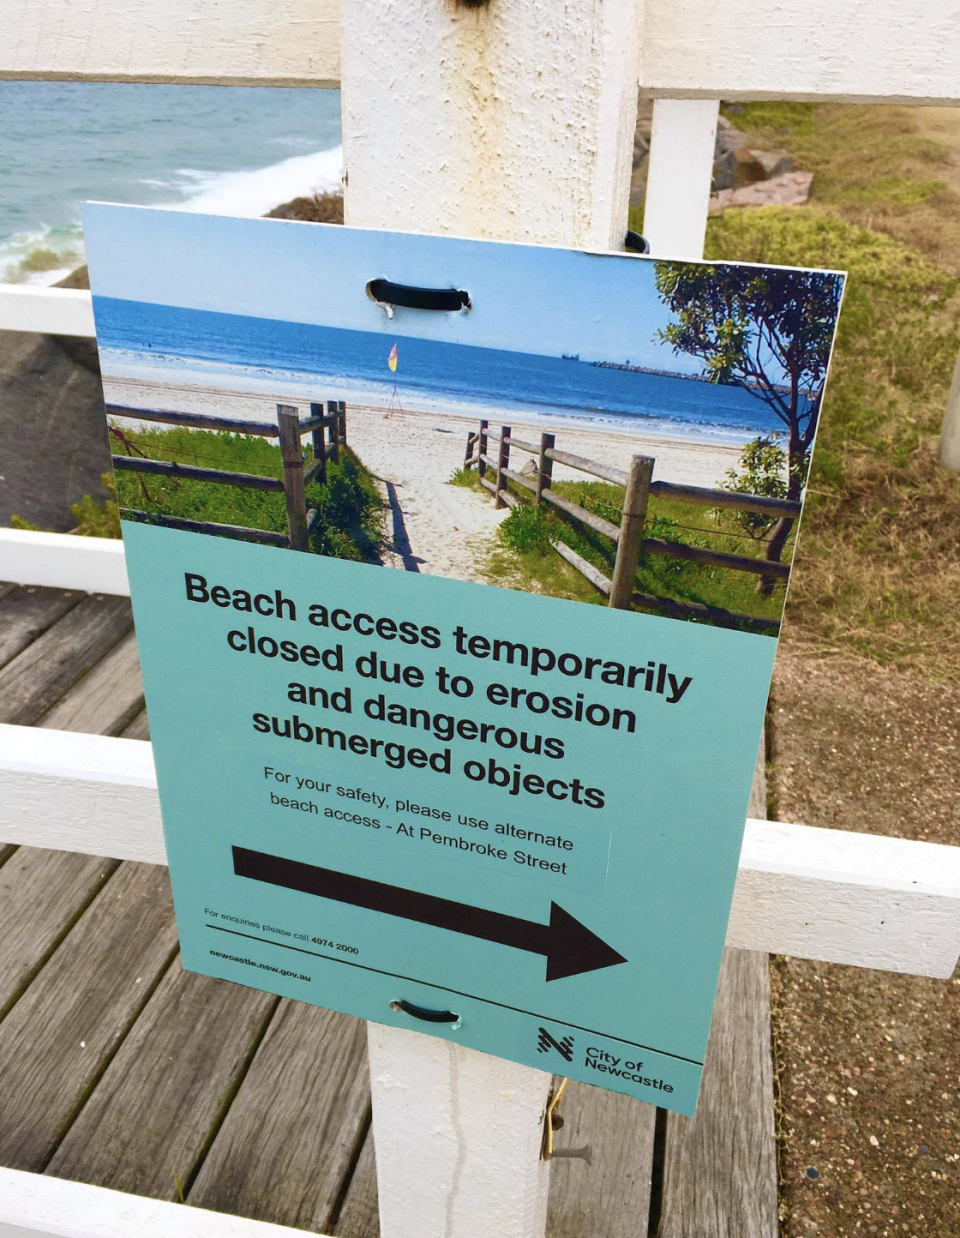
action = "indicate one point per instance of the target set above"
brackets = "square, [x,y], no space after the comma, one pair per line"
[328,431]
[637,481]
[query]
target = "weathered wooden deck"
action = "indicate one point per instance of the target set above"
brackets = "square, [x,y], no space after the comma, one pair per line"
[118,1068]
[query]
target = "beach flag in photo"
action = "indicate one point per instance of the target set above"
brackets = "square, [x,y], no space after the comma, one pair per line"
[392,359]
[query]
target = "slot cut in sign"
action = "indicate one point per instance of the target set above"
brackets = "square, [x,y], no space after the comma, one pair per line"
[506,815]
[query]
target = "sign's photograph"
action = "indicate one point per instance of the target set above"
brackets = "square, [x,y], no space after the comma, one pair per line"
[610,429]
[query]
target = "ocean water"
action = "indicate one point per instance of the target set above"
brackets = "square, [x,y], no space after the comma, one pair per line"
[237,151]
[229,351]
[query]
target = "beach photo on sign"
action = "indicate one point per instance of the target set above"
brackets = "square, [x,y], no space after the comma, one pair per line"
[622,431]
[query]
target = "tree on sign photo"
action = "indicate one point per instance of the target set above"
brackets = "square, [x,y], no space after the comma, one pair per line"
[768,331]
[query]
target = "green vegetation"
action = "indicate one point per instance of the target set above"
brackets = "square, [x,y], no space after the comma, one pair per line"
[734,319]
[762,468]
[349,505]
[94,518]
[527,560]
[878,565]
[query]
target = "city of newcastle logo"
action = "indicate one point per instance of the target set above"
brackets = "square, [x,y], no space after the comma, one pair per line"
[564,1046]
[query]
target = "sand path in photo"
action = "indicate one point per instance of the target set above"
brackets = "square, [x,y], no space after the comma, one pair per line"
[434,527]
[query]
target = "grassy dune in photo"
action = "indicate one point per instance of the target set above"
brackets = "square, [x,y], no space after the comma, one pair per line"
[349,504]
[524,557]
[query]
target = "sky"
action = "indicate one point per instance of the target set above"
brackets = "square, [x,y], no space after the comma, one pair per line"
[525,298]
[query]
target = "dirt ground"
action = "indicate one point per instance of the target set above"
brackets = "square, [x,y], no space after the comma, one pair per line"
[869,1062]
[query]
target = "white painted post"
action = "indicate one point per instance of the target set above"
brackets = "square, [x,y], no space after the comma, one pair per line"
[679,175]
[508,122]
[949,451]
[465,1117]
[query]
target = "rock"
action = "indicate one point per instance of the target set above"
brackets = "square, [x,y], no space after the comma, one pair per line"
[737,168]
[791,189]
[530,469]
[776,162]
[728,138]
[53,433]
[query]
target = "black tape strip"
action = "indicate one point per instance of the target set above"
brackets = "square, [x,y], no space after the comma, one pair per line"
[449,300]
[425,1013]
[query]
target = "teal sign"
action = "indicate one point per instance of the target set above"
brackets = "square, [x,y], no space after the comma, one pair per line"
[360,811]
[508,816]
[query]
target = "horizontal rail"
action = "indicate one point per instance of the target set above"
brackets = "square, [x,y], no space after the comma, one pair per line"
[314,423]
[189,472]
[715,558]
[489,485]
[512,441]
[716,616]
[35,1205]
[236,531]
[596,577]
[580,513]
[49,311]
[845,897]
[195,421]
[691,50]
[594,467]
[520,480]
[728,499]
[64,561]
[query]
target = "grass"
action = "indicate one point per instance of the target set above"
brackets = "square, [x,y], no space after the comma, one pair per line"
[878,563]
[525,557]
[350,508]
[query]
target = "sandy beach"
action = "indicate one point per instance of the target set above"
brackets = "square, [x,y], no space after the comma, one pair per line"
[434,527]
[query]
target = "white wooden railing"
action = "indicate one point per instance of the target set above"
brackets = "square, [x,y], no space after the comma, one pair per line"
[512,121]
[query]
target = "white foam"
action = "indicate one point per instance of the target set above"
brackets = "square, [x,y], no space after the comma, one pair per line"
[253,192]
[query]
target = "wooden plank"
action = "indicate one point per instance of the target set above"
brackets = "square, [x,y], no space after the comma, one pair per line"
[594,467]
[108,697]
[26,613]
[295,1126]
[42,895]
[60,1036]
[591,519]
[197,421]
[62,561]
[586,569]
[34,1206]
[720,1174]
[139,728]
[715,558]
[359,1214]
[728,499]
[720,1169]
[520,479]
[896,898]
[711,614]
[187,1052]
[608,1196]
[169,468]
[35,679]
[238,532]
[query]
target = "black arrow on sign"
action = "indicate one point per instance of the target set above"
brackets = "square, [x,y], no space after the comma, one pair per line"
[570,948]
